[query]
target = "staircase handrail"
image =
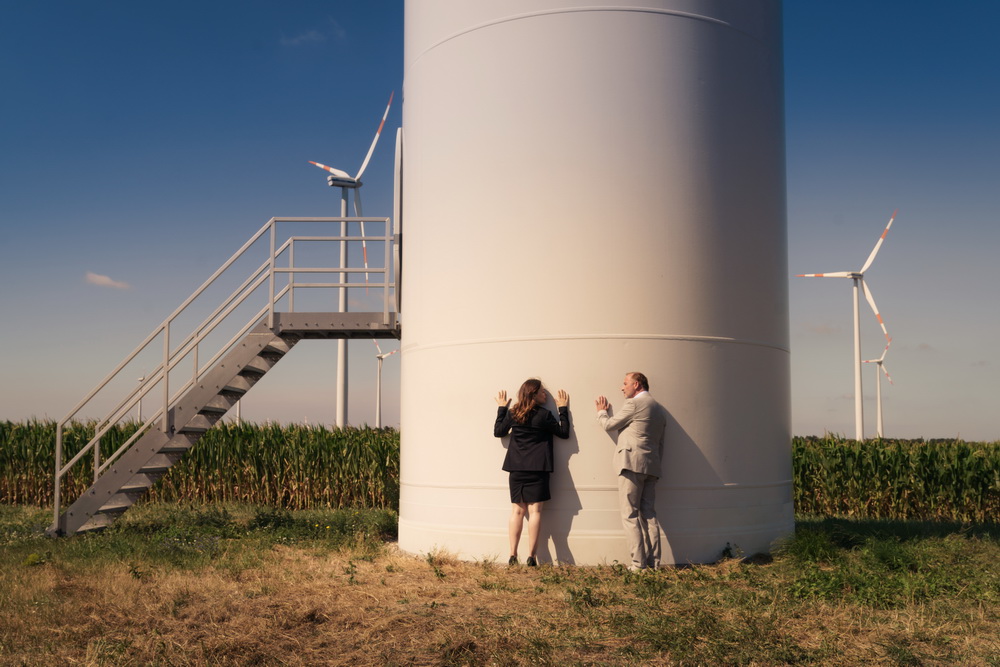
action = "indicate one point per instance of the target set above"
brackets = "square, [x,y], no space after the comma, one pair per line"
[105,425]
[186,346]
[266,271]
[189,344]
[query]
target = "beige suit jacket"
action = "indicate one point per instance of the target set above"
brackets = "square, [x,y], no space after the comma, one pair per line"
[641,426]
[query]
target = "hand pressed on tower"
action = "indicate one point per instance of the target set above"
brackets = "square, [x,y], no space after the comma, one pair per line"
[562,399]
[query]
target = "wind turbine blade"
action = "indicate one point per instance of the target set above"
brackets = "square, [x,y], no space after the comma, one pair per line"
[871,302]
[376,346]
[332,170]
[878,244]
[364,165]
[838,274]
[364,244]
[887,377]
[880,359]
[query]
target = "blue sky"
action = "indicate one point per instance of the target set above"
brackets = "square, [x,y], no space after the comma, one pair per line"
[144,142]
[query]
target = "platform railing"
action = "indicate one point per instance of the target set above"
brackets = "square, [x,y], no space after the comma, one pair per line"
[278,270]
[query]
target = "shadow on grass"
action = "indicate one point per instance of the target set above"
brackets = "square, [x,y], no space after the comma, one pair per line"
[898,529]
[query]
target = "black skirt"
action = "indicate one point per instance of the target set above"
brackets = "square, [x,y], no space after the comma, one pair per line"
[529,486]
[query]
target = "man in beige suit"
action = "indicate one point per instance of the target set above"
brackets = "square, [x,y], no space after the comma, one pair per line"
[640,424]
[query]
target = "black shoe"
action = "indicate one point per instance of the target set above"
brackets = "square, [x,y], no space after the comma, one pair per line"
[531,562]
[512,561]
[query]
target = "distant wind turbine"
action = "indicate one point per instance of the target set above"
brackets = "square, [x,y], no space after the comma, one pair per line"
[344,181]
[859,283]
[378,382]
[341,179]
[879,369]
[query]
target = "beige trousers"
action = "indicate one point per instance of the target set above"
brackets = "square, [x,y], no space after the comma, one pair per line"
[637,499]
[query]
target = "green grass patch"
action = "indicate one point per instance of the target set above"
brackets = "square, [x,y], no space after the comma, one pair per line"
[239,583]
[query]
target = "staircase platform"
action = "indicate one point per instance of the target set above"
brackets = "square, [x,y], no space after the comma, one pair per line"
[337,325]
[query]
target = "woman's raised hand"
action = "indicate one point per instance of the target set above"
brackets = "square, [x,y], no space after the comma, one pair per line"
[502,398]
[562,399]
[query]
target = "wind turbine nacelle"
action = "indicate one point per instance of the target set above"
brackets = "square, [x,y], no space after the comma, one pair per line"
[339,182]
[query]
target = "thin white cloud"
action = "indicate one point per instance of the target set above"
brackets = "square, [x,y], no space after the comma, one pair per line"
[333,31]
[823,329]
[105,281]
[339,32]
[308,37]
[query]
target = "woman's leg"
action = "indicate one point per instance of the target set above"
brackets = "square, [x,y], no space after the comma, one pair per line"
[534,525]
[514,525]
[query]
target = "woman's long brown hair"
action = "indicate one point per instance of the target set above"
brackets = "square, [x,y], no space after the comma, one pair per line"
[525,399]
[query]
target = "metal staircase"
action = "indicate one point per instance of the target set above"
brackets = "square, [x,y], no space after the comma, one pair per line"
[213,388]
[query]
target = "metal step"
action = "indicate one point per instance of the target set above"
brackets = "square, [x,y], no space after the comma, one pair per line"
[200,423]
[140,483]
[182,442]
[282,344]
[120,502]
[97,522]
[240,384]
[193,414]
[221,403]
[260,364]
[160,463]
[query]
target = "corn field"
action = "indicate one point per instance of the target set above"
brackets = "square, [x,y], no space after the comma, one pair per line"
[897,479]
[300,467]
[295,467]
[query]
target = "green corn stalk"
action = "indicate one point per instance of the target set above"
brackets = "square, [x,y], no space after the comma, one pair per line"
[301,467]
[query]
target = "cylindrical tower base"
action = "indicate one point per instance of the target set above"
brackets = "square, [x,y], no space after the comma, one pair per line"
[592,189]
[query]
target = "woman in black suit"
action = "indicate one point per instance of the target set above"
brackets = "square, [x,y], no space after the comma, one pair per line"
[529,457]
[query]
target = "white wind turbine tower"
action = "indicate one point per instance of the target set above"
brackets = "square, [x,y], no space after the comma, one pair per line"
[859,283]
[378,382]
[880,366]
[344,181]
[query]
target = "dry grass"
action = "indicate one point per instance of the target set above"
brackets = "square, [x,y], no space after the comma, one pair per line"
[312,602]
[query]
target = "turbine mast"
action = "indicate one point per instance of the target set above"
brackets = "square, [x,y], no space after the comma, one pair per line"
[342,342]
[878,399]
[859,416]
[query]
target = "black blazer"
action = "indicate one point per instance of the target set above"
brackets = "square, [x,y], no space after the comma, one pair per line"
[530,447]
